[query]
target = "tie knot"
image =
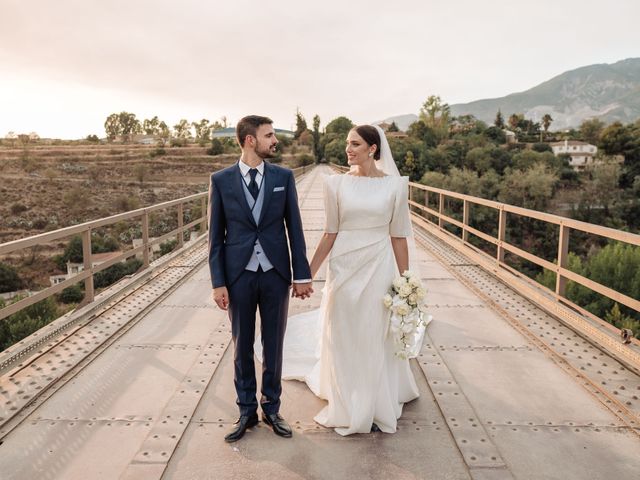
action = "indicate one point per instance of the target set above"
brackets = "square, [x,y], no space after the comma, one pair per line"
[253,172]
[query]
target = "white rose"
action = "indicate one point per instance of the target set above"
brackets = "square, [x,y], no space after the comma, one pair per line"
[415,282]
[405,290]
[387,300]
[402,308]
[399,282]
[420,293]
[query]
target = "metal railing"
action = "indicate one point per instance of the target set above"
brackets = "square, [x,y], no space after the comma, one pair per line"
[564,225]
[85,230]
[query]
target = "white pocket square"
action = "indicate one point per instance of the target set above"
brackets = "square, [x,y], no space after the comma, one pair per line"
[278,189]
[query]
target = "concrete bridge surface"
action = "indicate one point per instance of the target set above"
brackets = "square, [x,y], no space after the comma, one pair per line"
[144,389]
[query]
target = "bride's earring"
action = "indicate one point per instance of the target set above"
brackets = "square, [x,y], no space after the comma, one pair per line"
[370,154]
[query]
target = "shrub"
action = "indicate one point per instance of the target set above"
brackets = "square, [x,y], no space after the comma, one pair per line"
[217,148]
[72,294]
[23,323]
[18,208]
[168,246]
[125,204]
[111,275]
[9,279]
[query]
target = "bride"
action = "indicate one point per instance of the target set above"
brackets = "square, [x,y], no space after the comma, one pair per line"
[343,350]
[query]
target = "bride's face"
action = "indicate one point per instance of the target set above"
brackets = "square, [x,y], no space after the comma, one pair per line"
[358,150]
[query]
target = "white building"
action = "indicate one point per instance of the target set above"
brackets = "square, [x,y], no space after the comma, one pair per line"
[75,268]
[582,153]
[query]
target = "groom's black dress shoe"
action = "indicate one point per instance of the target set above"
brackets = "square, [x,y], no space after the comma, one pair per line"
[244,422]
[279,425]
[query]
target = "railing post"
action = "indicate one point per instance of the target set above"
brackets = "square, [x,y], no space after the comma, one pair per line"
[563,259]
[205,214]
[426,202]
[180,225]
[502,228]
[145,239]
[89,293]
[440,209]
[465,220]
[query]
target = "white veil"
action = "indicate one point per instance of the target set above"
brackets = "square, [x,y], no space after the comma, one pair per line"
[387,164]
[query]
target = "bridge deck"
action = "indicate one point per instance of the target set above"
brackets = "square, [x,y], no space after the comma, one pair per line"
[145,390]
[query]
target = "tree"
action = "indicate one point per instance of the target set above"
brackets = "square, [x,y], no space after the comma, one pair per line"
[602,190]
[317,149]
[514,121]
[618,139]
[182,130]
[496,135]
[410,167]
[301,125]
[393,127]
[499,121]
[112,127]
[435,114]
[590,130]
[531,188]
[339,126]
[129,125]
[420,131]
[491,157]
[546,123]
[334,151]
[203,131]
[164,133]
[151,127]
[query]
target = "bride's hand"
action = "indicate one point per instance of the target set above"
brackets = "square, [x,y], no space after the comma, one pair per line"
[302,290]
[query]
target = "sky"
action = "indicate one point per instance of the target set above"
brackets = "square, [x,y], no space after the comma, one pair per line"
[65,65]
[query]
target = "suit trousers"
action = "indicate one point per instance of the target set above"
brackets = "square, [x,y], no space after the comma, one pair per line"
[268,292]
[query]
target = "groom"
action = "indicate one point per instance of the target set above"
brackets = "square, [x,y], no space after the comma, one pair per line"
[250,203]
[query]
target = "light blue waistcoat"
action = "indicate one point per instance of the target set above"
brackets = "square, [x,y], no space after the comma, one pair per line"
[258,257]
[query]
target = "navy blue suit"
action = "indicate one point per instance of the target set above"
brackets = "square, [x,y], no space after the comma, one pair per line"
[233,232]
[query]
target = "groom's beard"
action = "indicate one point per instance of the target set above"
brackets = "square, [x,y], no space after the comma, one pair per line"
[267,152]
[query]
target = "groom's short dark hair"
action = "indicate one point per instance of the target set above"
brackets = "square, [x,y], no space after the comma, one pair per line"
[249,126]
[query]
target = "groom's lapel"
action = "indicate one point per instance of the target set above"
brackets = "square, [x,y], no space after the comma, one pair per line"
[268,182]
[238,190]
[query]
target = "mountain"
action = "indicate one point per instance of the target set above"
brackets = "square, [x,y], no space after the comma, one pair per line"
[610,92]
[402,121]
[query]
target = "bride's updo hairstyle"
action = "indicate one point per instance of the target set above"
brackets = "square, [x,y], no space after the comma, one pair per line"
[370,135]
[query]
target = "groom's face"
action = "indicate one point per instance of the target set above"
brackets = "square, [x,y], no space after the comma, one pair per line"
[266,141]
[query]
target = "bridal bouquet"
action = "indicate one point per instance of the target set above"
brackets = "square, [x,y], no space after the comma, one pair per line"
[407,319]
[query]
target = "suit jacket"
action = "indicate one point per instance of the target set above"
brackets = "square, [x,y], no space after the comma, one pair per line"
[233,230]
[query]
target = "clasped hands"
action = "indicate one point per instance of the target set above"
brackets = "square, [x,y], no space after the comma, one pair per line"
[302,290]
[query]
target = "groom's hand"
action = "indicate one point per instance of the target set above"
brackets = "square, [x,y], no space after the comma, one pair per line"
[221,297]
[302,290]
